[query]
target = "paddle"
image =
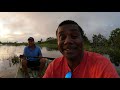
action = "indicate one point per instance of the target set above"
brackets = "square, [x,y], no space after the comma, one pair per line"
[45,57]
[21,56]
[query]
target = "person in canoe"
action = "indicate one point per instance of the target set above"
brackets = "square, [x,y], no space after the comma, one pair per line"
[31,57]
[76,62]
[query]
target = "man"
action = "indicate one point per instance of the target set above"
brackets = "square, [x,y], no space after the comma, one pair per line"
[75,62]
[32,54]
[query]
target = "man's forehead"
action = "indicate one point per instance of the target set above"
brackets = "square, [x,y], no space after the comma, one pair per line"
[68,27]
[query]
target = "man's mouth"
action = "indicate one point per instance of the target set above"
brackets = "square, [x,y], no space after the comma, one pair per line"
[70,49]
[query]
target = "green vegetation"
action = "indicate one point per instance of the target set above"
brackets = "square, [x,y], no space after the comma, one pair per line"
[13,43]
[111,46]
[51,46]
[15,59]
[49,43]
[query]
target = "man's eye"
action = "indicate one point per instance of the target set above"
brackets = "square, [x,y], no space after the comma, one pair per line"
[62,37]
[74,37]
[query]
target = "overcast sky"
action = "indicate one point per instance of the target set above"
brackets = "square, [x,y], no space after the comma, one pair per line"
[18,26]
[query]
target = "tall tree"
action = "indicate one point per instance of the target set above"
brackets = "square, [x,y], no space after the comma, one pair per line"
[114,42]
[115,38]
[99,40]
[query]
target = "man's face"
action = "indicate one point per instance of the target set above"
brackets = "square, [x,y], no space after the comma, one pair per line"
[30,42]
[70,42]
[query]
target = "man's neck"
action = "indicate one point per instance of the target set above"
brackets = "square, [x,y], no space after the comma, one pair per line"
[74,62]
[33,46]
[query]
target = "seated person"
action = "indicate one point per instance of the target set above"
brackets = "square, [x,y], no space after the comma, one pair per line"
[32,57]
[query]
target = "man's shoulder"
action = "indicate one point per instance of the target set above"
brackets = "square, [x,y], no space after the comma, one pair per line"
[94,54]
[96,57]
[26,47]
[38,47]
[57,61]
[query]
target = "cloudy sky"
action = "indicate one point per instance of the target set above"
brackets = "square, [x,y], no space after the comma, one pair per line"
[18,26]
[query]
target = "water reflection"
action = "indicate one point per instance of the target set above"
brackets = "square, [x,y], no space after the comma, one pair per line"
[8,52]
[47,52]
[51,49]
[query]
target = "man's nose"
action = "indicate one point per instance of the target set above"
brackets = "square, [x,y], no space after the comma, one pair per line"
[68,40]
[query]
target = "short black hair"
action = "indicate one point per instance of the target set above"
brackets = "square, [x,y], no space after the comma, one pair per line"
[31,38]
[70,22]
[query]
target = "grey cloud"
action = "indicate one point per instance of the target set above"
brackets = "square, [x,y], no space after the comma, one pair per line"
[44,24]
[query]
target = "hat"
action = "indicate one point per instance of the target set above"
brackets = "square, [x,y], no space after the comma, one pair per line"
[30,38]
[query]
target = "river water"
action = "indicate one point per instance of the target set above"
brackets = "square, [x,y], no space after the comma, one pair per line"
[7,69]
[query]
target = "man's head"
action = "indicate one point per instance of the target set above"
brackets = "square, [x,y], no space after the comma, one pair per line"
[70,39]
[31,41]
